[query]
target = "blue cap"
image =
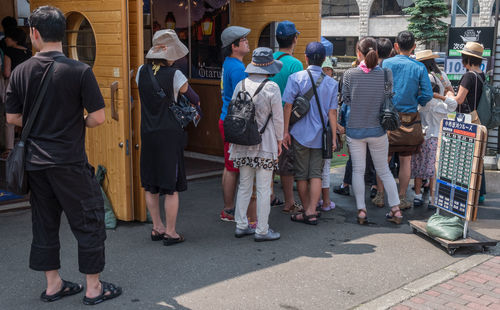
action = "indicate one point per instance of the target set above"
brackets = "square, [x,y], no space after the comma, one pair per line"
[285,29]
[315,50]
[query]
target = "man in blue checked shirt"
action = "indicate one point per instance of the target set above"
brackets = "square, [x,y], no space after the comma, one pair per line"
[305,135]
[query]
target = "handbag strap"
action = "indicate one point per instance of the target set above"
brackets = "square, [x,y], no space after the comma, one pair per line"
[40,93]
[317,97]
[283,55]
[310,92]
[156,85]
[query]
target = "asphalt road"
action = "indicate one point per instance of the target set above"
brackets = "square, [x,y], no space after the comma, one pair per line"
[335,265]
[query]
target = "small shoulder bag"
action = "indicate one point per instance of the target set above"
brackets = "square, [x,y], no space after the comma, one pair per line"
[15,166]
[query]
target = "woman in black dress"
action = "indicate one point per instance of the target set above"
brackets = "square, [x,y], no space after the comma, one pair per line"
[162,153]
[15,52]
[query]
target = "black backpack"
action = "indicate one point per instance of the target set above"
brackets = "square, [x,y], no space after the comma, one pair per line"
[240,126]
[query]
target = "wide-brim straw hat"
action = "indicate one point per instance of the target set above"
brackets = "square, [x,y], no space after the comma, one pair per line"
[166,45]
[425,54]
[263,62]
[473,49]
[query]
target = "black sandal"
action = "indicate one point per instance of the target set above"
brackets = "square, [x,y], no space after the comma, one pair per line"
[108,291]
[156,235]
[167,240]
[276,202]
[306,219]
[67,289]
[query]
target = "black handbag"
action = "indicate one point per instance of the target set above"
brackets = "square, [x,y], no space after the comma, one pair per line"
[183,111]
[389,117]
[301,104]
[17,180]
[326,135]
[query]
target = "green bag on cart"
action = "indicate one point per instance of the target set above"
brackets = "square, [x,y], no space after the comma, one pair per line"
[449,228]
[109,215]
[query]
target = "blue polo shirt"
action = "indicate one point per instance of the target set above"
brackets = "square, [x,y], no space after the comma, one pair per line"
[411,83]
[308,130]
[233,71]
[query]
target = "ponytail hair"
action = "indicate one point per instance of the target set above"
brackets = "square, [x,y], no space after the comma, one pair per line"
[368,47]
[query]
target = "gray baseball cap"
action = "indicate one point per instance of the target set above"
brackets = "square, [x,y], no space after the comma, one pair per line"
[233,33]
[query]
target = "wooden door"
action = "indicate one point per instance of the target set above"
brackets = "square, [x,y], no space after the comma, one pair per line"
[109,145]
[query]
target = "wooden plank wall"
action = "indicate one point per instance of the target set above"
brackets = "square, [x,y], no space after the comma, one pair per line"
[256,15]
[108,19]
[7,9]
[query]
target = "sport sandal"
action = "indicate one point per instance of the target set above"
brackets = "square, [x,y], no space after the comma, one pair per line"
[156,235]
[392,217]
[67,289]
[306,219]
[108,291]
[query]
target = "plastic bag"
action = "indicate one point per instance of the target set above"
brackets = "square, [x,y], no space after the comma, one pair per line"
[109,215]
[449,228]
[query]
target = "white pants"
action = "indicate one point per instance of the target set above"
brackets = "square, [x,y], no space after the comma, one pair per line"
[263,186]
[379,149]
[325,178]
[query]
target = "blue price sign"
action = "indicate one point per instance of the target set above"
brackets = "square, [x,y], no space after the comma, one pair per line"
[454,66]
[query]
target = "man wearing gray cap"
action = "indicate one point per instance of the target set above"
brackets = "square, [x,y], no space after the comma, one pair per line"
[234,48]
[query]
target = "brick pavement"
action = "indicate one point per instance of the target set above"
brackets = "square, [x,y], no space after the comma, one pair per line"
[477,288]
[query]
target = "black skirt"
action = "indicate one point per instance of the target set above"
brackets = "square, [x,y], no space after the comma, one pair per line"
[162,162]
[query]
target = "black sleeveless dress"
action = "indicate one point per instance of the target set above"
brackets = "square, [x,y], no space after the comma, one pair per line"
[162,149]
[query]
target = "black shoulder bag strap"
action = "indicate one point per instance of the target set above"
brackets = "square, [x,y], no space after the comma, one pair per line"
[311,91]
[42,89]
[156,86]
[283,55]
[261,86]
[318,82]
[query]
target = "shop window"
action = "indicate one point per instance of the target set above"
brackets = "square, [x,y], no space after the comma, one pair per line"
[199,24]
[462,7]
[390,7]
[339,8]
[267,37]
[79,42]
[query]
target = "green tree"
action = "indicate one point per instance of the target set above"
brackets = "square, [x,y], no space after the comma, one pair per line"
[424,20]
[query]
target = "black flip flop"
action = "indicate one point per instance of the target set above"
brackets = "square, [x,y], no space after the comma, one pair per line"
[167,240]
[276,202]
[67,289]
[113,290]
[306,219]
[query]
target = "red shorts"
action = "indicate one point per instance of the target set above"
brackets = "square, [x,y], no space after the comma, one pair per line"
[227,163]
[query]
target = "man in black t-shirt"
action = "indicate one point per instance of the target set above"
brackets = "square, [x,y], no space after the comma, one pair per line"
[60,178]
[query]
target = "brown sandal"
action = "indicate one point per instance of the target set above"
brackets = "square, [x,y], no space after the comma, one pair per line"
[296,208]
[392,217]
[362,220]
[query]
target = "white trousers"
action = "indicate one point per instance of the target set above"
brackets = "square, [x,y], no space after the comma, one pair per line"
[379,149]
[263,187]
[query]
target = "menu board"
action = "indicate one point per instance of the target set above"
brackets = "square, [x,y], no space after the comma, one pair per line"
[459,163]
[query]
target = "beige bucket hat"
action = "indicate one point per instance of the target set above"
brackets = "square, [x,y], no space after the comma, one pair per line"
[425,54]
[473,49]
[166,45]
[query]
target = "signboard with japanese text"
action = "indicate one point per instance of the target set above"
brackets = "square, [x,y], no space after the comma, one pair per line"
[459,164]
[457,38]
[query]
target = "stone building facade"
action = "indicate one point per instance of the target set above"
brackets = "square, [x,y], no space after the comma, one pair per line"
[345,29]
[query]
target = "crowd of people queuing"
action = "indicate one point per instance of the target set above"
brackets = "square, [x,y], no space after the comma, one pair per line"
[61,179]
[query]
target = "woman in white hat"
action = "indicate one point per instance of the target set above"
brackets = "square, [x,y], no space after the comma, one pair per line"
[162,149]
[423,162]
[471,88]
[259,161]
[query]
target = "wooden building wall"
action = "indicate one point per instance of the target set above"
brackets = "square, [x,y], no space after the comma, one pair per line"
[256,15]
[109,20]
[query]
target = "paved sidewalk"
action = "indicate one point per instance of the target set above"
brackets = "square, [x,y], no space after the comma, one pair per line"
[477,288]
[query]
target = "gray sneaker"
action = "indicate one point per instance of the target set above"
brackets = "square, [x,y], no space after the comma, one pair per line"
[238,233]
[270,236]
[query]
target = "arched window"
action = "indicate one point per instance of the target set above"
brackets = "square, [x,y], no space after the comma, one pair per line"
[267,37]
[390,7]
[339,8]
[79,42]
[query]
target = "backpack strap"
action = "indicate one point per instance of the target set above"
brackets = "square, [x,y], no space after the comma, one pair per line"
[283,55]
[261,86]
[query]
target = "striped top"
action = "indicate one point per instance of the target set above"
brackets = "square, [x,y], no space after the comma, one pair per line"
[364,93]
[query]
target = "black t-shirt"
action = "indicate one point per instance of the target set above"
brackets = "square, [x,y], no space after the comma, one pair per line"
[58,133]
[470,81]
[17,56]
